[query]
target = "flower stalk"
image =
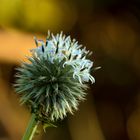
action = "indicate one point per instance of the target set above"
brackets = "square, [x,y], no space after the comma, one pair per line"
[31,128]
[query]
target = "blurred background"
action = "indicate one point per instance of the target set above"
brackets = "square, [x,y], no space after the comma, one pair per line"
[111,29]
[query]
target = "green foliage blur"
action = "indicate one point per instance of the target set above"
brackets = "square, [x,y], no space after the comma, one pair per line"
[37,15]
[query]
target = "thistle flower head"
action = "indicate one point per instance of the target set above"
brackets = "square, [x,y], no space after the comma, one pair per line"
[54,80]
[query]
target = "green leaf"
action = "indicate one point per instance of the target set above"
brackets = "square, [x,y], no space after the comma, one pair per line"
[46,125]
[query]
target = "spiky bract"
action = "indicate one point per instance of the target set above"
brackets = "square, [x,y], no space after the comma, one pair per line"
[53,82]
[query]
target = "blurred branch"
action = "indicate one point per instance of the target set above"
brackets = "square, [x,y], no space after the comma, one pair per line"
[85,125]
[15,45]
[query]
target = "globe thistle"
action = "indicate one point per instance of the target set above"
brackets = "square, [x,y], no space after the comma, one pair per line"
[54,79]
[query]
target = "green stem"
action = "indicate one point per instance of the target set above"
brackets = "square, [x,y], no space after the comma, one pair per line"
[31,128]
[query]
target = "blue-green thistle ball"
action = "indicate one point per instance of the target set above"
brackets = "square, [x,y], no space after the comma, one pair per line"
[54,80]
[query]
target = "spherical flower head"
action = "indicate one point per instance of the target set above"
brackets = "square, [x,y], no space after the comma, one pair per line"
[54,80]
